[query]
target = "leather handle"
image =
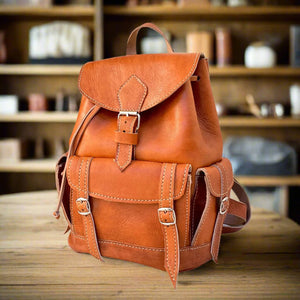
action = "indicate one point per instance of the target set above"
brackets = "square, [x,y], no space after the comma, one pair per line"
[131,42]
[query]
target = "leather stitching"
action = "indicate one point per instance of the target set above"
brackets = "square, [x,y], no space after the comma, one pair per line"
[153,103]
[141,247]
[143,97]
[175,250]
[86,233]
[195,248]
[162,182]
[130,245]
[89,217]
[211,188]
[226,177]
[186,211]
[128,199]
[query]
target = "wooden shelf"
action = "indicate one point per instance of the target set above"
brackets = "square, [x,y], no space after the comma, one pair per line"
[269,180]
[48,166]
[70,117]
[231,71]
[41,117]
[243,71]
[205,12]
[238,121]
[51,11]
[28,69]
[29,166]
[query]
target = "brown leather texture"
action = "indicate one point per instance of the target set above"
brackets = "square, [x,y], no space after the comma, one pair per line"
[144,179]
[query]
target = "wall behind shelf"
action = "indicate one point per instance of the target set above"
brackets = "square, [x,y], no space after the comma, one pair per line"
[243,33]
[22,85]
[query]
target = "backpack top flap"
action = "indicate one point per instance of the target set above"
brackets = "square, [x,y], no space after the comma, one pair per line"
[150,79]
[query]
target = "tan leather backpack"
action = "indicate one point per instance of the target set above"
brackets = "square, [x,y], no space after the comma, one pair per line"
[144,179]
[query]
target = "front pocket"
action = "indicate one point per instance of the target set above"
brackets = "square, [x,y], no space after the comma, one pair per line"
[124,204]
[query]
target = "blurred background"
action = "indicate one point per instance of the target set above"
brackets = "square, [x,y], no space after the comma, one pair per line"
[253,47]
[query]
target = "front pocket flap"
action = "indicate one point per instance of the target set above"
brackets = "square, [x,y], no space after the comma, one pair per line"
[160,75]
[139,183]
[219,185]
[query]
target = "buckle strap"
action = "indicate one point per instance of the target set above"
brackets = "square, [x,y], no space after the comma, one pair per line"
[239,212]
[232,215]
[126,125]
[84,209]
[167,218]
[223,210]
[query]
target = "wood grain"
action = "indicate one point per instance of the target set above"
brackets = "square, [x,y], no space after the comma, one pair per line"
[261,261]
[208,12]
[51,11]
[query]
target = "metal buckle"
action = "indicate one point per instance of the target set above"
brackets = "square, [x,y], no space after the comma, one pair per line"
[165,210]
[84,213]
[131,113]
[223,208]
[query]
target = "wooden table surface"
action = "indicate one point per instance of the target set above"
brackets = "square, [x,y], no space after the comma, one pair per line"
[261,261]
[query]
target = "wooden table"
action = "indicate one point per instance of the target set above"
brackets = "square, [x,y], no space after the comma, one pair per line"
[261,261]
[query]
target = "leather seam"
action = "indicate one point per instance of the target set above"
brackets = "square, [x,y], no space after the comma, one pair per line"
[71,207]
[186,212]
[153,103]
[141,247]
[130,245]
[211,188]
[177,86]
[226,177]
[123,85]
[129,199]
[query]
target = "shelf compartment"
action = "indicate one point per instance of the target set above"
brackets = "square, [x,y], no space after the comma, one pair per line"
[207,12]
[29,166]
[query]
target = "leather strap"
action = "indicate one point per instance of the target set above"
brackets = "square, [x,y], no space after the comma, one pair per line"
[61,180]
[239,213]
[232,215]
[124,155]
[126,138]
[167,218]
[223,210]
[84,209]
[131,42]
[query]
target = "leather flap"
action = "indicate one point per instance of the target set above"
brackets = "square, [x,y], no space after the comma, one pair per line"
[151,78]
[219,185]
[139,183]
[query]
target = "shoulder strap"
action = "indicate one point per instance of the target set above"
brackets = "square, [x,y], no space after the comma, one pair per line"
[232,216]
[239,212]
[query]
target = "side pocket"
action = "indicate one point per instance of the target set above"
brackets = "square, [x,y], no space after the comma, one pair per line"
[60,166]
[62,187]
[215,187]
[198,202]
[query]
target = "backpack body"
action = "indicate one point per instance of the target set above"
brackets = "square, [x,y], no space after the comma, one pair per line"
[144,179]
